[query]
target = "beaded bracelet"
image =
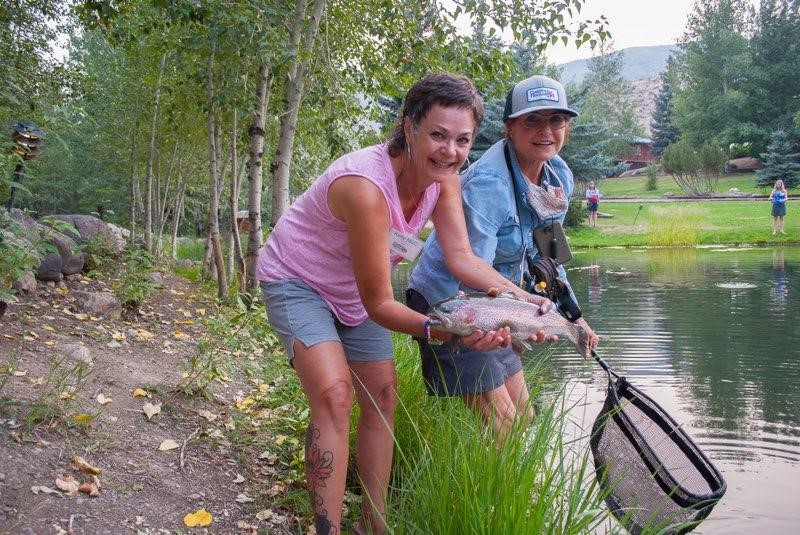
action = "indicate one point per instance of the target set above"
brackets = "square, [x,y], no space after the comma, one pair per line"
[426,329]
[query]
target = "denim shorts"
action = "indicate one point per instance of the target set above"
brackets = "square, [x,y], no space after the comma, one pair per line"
[296,312]
[450,371]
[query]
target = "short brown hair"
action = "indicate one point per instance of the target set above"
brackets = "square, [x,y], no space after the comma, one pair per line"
[442,88]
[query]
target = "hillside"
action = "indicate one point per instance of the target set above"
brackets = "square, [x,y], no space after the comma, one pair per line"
[641,62]
[642,66]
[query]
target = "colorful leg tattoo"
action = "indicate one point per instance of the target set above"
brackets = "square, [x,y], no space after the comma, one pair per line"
[319,467]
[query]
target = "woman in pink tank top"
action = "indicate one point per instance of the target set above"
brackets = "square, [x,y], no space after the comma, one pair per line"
[326,275]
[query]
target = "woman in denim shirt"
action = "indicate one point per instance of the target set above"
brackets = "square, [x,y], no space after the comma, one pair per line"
[500,217]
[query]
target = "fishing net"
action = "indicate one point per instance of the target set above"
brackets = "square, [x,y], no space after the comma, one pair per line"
[655,478]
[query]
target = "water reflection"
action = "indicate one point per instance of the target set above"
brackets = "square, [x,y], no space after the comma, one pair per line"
[713,335]
[710,335]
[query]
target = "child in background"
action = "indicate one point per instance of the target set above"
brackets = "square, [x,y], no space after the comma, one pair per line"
[592,200]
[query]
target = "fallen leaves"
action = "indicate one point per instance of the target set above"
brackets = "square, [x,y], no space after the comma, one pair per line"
[201,518]
[83,419]
[82,465]
[151,409]
[208,415]
[168,444]
[36,489]
[141,393]
[244,498]
[67,484]
[102,400]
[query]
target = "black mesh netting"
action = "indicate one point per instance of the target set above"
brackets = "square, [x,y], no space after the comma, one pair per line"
[656,479]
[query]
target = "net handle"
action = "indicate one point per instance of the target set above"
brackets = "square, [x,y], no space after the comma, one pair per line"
[603,364]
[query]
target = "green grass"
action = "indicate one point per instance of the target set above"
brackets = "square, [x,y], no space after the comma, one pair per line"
[450,476]
[635,186]
[684,223]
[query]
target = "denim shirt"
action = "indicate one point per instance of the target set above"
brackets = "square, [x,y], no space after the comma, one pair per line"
[496,232]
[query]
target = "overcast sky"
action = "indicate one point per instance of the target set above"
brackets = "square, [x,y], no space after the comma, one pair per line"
[632,23]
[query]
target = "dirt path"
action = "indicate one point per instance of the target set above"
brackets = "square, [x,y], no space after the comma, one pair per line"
[53,407]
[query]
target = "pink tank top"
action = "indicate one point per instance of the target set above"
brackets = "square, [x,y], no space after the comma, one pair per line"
[310,244]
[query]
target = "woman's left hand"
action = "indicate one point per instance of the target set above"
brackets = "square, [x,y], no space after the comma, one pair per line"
[487,341]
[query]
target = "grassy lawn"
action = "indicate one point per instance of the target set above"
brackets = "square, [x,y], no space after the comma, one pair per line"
[635,186]
[685,224]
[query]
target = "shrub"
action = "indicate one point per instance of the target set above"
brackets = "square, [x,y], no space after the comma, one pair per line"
[134,287]
[575,212]
[652,177]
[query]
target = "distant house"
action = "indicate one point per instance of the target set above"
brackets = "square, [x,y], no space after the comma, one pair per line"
[640,155]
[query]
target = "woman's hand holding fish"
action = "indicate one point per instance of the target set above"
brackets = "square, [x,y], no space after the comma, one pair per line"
[486,341]
[593,338]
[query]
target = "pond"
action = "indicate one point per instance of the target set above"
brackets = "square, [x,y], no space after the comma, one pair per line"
[713,335]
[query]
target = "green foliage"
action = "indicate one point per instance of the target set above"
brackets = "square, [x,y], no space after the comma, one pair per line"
[575,212]
[451,476]
[781,161]
[652,177]
[590,152]
[735,78]
[604,99]
[685,163]
[17,255]
[774,74]
[712,159]
[133,287]
[663,132]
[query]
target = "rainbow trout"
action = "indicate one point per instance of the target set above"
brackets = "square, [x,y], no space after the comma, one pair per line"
[463,314]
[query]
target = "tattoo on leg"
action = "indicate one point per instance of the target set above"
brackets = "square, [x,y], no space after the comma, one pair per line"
[319,467]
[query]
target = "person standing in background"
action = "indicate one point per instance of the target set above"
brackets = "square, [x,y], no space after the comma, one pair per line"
[592,201]
[778,197]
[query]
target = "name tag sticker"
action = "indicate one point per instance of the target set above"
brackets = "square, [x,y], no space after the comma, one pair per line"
[404,244]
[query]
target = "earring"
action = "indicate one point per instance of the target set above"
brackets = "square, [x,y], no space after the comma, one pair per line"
[408,150]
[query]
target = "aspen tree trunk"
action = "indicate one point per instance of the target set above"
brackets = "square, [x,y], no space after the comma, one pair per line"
[163,203]
[236,245]
[213,208]
[254,179]
[177,213]
[148,192]
[134,188]
[293,94]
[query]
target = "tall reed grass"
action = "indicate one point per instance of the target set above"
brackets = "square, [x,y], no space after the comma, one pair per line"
[451,477]
[676,226]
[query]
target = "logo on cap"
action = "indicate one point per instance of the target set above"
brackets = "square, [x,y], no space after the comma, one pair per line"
[542,93]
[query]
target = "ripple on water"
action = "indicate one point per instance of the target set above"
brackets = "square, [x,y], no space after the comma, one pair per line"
[736,285]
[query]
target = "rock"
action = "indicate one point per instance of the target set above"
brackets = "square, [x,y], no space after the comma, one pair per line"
[26,284]
[62,284]
[50,269]
[3,306]
[77,353]
[748,163]
[73,277]
[184,263]
[90,228]
[156,279]
[103,303]
[71,262]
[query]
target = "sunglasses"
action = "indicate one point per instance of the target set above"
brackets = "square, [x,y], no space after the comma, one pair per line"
[555,122]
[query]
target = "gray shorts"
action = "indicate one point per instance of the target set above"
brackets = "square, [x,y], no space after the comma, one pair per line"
[296,312]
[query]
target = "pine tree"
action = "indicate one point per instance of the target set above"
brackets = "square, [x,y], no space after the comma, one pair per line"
[781,161]
[587,153]
[661,127]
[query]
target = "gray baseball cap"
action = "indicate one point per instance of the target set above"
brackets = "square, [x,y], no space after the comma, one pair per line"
[537,93]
